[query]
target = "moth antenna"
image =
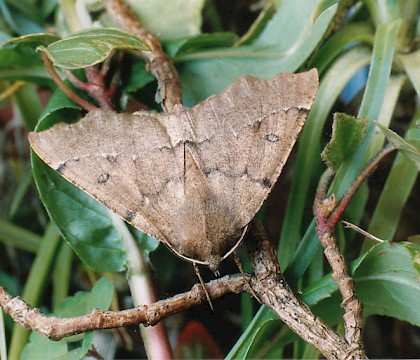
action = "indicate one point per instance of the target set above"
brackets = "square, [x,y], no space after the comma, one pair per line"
[241,270]
[197,272]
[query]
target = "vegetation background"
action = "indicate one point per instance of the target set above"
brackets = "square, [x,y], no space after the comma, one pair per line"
[367,56]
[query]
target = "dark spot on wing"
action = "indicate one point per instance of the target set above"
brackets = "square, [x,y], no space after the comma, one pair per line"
[272,138]
[266,183]
[111,158]
[60,169]
[129,216]
[103,178]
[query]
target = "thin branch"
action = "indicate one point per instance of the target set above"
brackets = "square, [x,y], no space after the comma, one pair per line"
[272,290]
[64,88]
[57,328]
[369,168]
[160,65]
[349,225]
[353,317]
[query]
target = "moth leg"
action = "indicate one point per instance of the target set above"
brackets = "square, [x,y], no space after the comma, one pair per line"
[241,270]
[197,272]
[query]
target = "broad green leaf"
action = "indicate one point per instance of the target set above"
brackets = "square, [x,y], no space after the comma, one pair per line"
[412,152]
[388,281]
[90,47]
[347,134]
[413,136]
[83,302]
[33,40]
[40,347]
[84,223]
[146,243]
[18,21]
[285,43]
[15,65]
[169,19]
[321,7]
[258,25]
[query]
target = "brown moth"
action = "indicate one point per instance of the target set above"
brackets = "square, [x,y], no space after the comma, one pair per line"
[191,178]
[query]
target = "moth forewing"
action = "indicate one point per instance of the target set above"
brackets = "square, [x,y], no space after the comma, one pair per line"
[193,178]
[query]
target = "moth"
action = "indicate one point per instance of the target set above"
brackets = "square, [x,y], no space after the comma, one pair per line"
[192,178]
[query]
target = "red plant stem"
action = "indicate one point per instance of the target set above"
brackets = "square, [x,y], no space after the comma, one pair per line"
[339,209]
[64,88]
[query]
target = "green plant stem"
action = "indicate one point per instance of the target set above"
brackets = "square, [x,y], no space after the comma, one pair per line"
[34,286]
[155,338]
[62,274]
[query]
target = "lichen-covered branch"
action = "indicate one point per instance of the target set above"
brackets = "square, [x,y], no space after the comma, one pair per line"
[271,288]
[267,284]
[353,318]
[57,328]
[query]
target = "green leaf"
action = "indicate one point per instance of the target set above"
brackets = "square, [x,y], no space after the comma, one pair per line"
[33,40]
[395,193]
[18,21]
[347,133]
[321,7]
[14,65]
[308,159]
[411,65]
[285,43]
[146,243]
[169,19]
[388,281]
[346,37]
[90,47]
[84,223]
[258,25]
[40,347]
[203,41]
[409,150]
[83,302]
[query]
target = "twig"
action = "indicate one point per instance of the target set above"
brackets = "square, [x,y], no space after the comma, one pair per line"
[327,215]
[271,288]
[353,318]
[57,328]
[267,284]
[160,65]
[64,88]
[349,225]
[369,168]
